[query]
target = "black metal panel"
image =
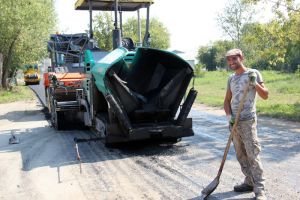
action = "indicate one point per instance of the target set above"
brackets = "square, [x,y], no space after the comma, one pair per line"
[114,134]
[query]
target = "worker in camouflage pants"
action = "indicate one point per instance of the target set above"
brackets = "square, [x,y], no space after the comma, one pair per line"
[245,138]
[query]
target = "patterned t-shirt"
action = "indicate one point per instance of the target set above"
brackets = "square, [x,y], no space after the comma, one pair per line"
[236,84]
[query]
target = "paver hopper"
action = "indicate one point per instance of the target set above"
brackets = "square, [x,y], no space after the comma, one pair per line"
[135,93]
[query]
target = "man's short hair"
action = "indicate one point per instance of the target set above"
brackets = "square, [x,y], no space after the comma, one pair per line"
[234,52]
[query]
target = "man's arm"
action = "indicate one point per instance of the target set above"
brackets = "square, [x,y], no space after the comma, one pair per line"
[262,91]
[256,80]
[227,102]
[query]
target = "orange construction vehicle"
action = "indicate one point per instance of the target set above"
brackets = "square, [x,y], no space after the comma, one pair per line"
[64,76]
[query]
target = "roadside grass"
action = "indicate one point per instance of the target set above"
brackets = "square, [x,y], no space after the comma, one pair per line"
[284,93]
[17,93]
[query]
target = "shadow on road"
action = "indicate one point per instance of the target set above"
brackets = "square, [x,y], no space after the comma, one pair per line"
[229,195]
[43,146]
[22,116]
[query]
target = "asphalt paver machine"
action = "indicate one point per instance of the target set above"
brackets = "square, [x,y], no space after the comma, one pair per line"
[134,92]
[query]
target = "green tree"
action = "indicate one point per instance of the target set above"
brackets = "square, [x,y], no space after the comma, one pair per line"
[207,56]
[264,47]
[282,35]
[24,27]
[222,46]
[292,41]
[275,45]
[213,56]
[288,5]
[160,37]
[232,19]
[103,26]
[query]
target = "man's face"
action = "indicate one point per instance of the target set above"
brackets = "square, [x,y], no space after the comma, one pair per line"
[234,62]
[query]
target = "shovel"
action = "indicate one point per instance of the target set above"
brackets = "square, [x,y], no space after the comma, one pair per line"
[214,184]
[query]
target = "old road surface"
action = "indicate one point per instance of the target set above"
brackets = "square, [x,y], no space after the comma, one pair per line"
[44,166]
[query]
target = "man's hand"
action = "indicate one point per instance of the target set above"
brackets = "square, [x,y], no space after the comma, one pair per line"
[252,78]
[231,121]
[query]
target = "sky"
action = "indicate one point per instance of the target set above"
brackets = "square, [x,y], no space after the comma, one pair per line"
[191,23]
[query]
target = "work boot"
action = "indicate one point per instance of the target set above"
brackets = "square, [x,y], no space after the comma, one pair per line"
[243,188]
[260,196]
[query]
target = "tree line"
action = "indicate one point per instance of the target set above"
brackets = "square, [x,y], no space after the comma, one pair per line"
[274,45]
[24,29]
[104,24]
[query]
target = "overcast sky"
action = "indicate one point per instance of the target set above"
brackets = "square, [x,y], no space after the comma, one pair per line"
[191,23]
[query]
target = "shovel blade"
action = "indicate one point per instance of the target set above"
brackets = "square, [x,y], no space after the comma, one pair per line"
[210,188]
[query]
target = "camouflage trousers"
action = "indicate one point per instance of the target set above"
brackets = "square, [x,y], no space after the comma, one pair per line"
[247,148]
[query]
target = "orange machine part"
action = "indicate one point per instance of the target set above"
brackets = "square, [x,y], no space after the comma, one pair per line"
[69,79]
[46,79]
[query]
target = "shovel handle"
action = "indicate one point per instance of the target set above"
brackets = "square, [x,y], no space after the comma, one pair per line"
[241,105]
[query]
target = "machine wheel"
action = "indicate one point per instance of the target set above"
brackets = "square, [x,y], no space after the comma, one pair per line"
[48,99]
[57,120]
[56,116]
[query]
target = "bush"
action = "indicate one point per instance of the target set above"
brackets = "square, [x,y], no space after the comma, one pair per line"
[199,70]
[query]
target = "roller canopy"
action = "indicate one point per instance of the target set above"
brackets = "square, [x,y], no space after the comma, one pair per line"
[108,5]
